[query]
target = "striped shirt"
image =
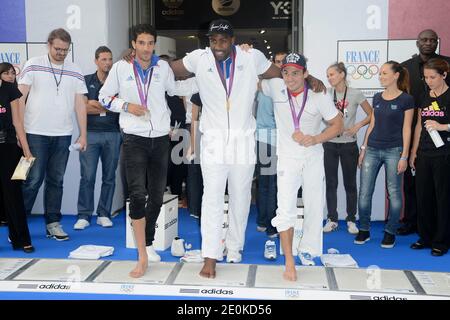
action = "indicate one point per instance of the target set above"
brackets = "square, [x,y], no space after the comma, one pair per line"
[51,101]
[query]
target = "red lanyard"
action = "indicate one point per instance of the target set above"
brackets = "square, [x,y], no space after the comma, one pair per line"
[340,104]
[296,117]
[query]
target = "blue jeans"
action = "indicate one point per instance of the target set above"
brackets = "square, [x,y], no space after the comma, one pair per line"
[104,146]
[267,186]
[52,154]
[371,165]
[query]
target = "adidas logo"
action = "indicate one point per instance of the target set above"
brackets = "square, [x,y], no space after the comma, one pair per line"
[130,78]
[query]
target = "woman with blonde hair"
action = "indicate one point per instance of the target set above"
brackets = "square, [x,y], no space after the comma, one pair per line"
[344,147]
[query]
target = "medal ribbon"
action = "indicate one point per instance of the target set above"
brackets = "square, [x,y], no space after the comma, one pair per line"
[295,117]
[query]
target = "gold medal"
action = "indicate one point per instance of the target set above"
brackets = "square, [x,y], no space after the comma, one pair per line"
[228,104]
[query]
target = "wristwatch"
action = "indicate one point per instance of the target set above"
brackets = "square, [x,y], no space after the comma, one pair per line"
[363,147]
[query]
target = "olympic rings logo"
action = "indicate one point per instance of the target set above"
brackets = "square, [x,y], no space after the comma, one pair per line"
[362,71]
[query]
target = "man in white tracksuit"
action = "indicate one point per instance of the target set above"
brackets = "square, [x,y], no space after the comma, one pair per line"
[298,114]
[227,80]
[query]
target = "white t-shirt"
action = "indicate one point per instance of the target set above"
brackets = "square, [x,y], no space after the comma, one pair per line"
[48,113]
[318,107]
[212,93]
[121,81]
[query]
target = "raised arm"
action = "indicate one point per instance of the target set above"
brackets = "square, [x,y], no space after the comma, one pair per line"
[272,72]
[179,69]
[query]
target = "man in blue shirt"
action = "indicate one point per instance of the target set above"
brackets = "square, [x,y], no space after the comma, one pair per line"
[103,142]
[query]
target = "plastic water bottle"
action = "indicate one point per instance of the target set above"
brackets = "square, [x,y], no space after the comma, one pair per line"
[436,137]
[75,147]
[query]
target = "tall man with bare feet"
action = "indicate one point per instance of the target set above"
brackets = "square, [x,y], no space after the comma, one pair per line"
[227,79]
[137,91]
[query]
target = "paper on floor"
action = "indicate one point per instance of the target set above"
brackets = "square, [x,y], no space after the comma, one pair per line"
[91,252]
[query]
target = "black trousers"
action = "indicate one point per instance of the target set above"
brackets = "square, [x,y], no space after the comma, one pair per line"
[433,200]
[177,170]
[2,208]
[146,171]
[194,188]
[11,190]
[409,191]
[267,186]
[347,154]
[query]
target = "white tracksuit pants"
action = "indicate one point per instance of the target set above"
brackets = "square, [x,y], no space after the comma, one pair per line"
[239,191]
[220,161]
[309,173]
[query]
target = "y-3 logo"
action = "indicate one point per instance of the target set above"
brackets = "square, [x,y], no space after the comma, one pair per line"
[2,109]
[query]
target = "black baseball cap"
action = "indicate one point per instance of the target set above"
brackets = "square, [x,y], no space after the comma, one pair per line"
[295,60]
[220,26]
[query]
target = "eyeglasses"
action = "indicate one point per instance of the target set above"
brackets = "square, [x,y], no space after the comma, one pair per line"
[63,51]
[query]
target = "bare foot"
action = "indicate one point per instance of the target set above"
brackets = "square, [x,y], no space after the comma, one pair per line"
[140,269]
[290,273]
[209,268]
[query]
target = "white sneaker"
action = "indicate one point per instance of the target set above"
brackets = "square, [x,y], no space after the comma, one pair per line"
[270,250]
[234,256]
[152,255]
[330,226]
[105,222]
[177,248]
[352,228]
[55,231]
[306,259]
[81,224]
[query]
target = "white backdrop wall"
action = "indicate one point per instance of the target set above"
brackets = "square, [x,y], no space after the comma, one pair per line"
[324,23]
[91,24]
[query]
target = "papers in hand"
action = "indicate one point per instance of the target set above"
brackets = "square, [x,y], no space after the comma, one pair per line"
[338,260]
[23,168]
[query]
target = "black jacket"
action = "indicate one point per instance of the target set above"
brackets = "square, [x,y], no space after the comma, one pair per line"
[418,87]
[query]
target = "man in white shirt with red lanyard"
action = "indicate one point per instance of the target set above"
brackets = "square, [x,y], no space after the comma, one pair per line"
[227,80]
[137,91]
[298,114]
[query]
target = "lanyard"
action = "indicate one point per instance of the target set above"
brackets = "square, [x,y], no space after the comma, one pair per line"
[145,83]
[54,75]
[295,117]
[341,104]
[223,78]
